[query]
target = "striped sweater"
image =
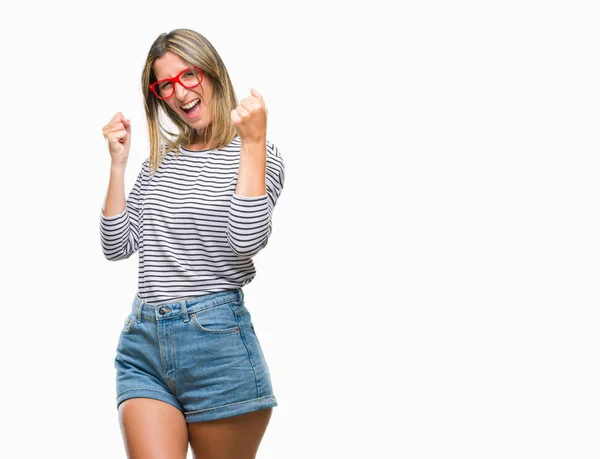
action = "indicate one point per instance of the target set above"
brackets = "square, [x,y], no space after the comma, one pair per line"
[194,234]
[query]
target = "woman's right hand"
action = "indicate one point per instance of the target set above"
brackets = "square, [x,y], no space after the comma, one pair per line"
[118,134]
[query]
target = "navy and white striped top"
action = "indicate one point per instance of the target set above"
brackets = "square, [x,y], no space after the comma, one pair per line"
[194,234]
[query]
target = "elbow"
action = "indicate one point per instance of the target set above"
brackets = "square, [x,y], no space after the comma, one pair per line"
[249,245]
[116,252]
[248,229]
[116,255]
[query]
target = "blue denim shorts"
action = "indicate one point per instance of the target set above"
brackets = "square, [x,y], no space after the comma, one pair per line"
[199,354]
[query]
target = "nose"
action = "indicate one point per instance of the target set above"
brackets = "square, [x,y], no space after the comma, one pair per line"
[180,91]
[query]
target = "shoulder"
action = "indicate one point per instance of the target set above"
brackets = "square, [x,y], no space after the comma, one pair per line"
[144,170]
[146,166]
[275,165]
[274,155]
[236,145]
[273,150]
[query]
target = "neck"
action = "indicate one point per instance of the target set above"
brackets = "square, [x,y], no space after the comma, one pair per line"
[201,139]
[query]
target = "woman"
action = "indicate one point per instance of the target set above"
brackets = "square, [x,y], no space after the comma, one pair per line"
[189,365]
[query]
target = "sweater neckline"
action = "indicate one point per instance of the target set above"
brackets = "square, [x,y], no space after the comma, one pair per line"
[206,151]
[189,151]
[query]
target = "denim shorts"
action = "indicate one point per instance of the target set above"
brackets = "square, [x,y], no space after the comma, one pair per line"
[199,354]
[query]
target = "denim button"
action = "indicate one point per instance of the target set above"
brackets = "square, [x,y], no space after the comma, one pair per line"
[162,310]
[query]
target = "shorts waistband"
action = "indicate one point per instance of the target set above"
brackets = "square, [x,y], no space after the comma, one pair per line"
[184,306]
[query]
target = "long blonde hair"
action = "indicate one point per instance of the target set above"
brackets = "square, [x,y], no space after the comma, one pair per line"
[197,50]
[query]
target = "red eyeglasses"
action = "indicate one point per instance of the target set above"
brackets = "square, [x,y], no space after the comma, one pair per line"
[188,78]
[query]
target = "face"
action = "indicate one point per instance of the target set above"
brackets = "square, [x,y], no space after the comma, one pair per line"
[192,105]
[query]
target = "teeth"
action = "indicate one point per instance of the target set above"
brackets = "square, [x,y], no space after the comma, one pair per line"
[190,105]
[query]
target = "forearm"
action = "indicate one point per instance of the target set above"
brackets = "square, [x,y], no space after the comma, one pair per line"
[115,196]
[252,170]
[120,219]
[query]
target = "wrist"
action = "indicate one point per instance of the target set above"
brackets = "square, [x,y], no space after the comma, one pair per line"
[254,148]
[255,142]
[117,168]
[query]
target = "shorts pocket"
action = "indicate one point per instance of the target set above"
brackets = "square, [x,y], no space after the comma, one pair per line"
[216,320]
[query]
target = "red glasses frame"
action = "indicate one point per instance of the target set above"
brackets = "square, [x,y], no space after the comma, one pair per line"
[175,79]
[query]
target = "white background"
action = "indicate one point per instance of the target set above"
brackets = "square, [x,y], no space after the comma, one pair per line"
[430,289]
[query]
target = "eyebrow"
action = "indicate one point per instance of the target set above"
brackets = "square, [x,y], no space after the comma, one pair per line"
[168,78]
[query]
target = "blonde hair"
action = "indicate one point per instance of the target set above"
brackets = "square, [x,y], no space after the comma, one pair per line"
[196,50]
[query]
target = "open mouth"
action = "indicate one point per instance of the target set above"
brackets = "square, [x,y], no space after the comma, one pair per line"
[192,109]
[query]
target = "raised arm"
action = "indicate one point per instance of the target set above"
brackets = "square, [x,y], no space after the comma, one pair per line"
[260,179]
[119,219]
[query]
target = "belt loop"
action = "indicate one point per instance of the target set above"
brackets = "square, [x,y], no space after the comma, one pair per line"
[241,295]
[139,303]
[184,311]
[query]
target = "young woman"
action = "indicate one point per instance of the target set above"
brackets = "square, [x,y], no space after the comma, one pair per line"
[189,364]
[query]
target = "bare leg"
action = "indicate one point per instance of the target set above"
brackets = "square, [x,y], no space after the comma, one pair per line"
[153,429]
[236,437]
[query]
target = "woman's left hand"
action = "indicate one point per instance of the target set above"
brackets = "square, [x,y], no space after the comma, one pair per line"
[250,118]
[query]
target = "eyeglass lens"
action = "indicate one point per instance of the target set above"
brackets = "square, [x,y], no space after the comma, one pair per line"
[189,79]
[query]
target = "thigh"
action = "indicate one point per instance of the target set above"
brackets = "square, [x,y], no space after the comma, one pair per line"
[153,429]
[236,437]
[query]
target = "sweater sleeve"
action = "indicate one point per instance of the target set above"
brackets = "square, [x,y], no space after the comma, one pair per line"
[249,224]
[120,234]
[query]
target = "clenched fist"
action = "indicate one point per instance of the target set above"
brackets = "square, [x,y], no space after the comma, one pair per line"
[118,134]
[250,118]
